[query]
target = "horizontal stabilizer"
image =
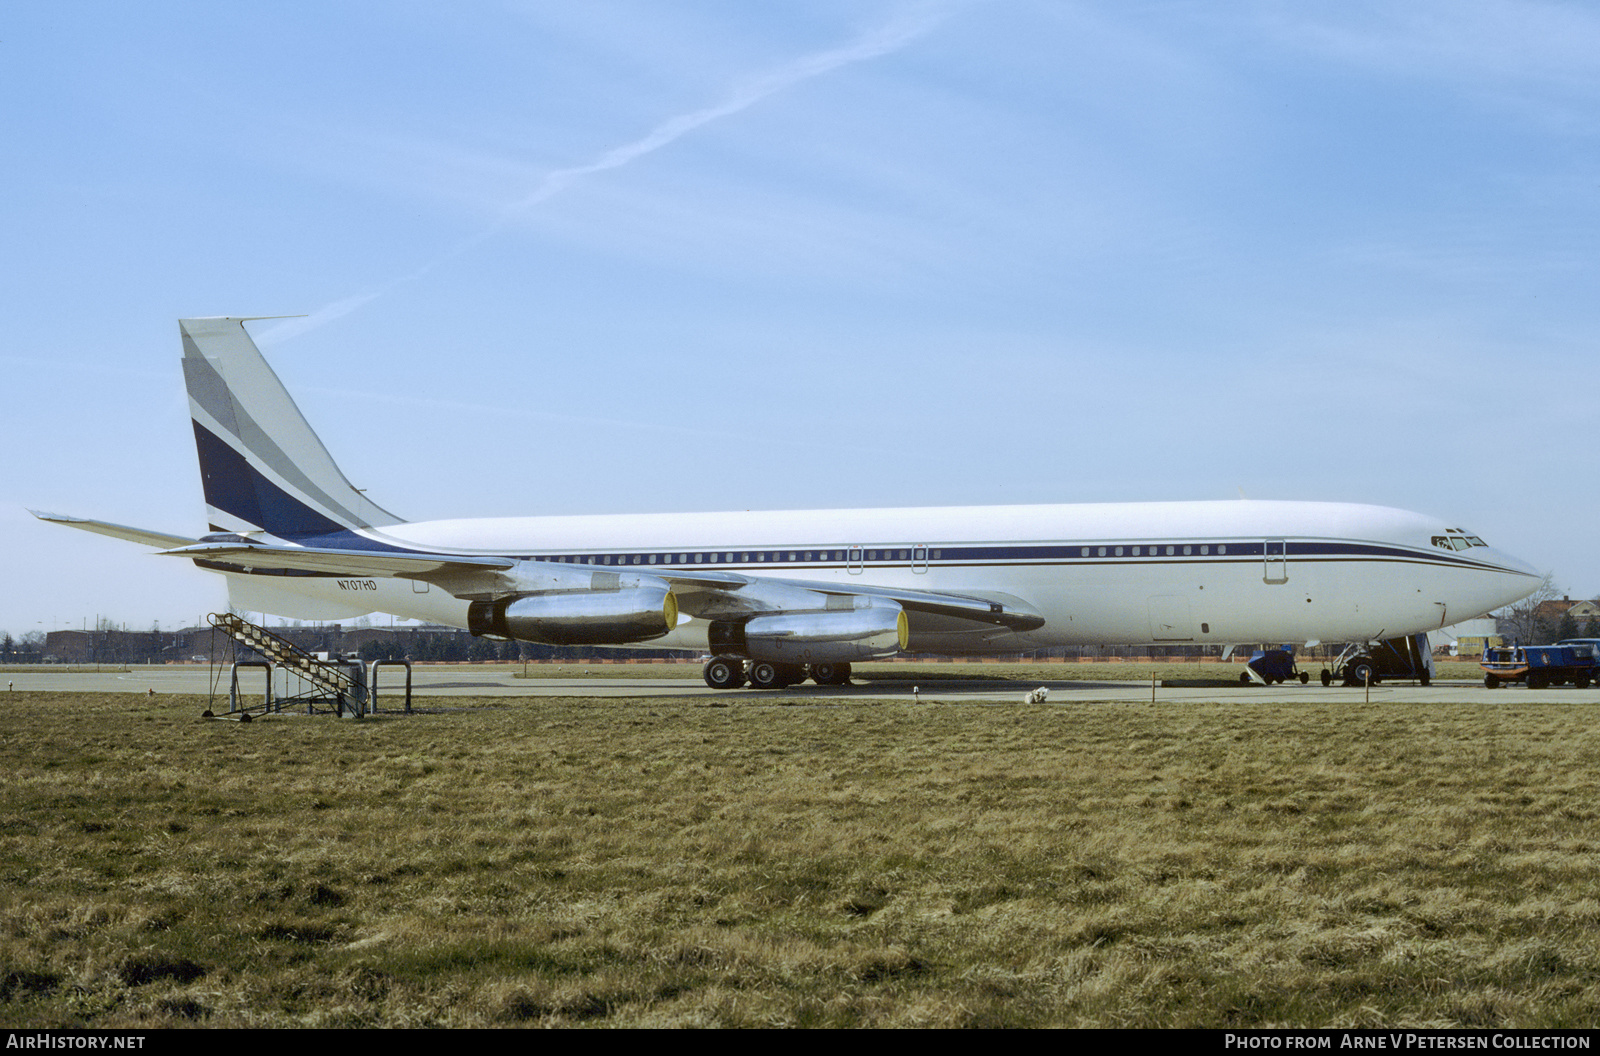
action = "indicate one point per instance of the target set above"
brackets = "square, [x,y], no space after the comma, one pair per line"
[116,531]
[340,562]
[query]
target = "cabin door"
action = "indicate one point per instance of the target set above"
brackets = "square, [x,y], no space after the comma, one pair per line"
[1276,569]
[1170,619]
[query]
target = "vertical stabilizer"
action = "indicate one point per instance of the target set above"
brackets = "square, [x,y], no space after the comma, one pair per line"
[262,467]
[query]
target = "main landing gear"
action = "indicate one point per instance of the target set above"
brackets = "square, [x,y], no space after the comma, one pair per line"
[723,672]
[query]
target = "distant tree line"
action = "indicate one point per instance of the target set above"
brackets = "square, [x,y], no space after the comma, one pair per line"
[1542,630]
[106,644]
[1533,621]
[1539,620]
[29,649]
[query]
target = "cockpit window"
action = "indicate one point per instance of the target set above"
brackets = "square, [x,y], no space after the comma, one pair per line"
[1457,540]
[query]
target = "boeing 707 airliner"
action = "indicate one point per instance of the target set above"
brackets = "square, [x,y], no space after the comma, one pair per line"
[776,597]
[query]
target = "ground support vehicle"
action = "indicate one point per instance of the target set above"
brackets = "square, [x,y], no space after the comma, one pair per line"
[1268,667]
[1538,666]
[1368,663]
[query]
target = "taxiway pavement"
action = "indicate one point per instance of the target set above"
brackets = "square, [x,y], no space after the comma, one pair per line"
[502,682]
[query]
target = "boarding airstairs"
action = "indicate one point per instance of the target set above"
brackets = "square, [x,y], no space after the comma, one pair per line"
[340,685]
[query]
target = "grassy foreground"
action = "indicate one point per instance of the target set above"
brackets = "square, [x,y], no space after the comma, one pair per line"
[686,862]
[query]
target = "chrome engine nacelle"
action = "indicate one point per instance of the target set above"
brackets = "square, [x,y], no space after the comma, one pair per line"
[850,629]
[607,617]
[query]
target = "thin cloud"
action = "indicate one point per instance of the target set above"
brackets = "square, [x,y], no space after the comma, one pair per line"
[577,422]
[882,41]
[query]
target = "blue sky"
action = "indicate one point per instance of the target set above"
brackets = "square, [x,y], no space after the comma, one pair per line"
[629,256]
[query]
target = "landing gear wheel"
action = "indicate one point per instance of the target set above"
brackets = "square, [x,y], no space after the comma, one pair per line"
[1305,677]
[722,673]
[791,674]
[1360,673]
[1327,677]
[1581,681]
[830,674]
[1491,681]
[1244,678]
[764,674]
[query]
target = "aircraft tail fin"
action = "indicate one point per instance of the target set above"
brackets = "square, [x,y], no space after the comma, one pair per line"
[262,466]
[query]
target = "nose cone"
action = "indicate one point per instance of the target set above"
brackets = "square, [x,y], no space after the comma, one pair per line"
[1507,579]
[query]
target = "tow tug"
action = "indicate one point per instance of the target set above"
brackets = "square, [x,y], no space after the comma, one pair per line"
[1538,666]
[1270,667]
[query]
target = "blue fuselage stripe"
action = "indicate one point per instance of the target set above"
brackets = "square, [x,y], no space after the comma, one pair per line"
[1216,552]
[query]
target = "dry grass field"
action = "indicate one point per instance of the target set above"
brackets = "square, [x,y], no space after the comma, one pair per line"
[696,862]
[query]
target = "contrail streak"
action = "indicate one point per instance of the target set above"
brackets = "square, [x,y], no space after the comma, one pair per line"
[880,42]
[891,37]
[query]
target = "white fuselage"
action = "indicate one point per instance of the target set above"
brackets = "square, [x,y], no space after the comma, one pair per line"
[1136,573]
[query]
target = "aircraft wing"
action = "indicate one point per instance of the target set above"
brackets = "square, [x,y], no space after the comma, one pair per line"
[1001,610]
[703,591]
